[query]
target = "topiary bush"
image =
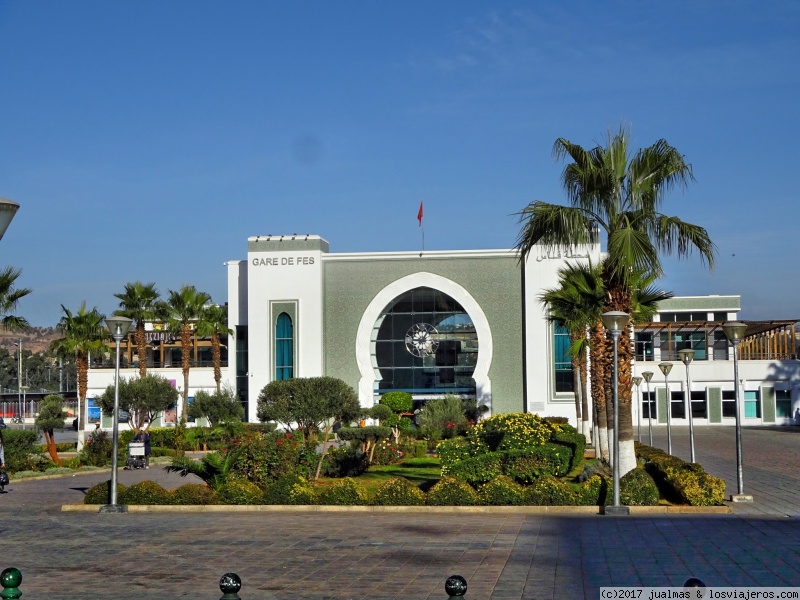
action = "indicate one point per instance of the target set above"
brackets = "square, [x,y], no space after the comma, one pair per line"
[573,440]
[344,461]
[193,494]
[594,491]
[450,491]
[144,492]
[509,431]
[279,492]
[98,494]
[420,449]
[399,402]
[501,491]
[526,466]
[452,451]
[637,488]
[399,491]
[681,482]
[344,492]
[240,491]
[478,469]
[550,491]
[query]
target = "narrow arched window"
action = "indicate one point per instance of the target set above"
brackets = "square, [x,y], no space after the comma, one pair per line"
[284,347]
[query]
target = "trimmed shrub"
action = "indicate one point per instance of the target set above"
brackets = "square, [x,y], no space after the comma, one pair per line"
[399,491]
[526,466]
[450,491]
[280,491]
[386,453]
[98,494]
[194,494]
[637,488]
[478,469]
[421,449]
[681,482]
[344,461]
[399,402]
[240,491]
[96,451]
[573,440]
[452,451]
[550,491]
[594,491]
[262,459]
[19,446]
[145,492]
[303,493]
[509,431]
[344,492]
[501,491]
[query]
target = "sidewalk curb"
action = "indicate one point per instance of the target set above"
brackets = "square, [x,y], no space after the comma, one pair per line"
[279,508]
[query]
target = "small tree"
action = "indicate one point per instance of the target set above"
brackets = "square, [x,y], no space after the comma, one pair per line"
[51,416]
[218,407]
[142,398]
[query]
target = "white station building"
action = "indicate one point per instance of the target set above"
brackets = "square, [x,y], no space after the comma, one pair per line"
[470,323]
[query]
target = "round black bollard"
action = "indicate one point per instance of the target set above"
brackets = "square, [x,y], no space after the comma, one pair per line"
[10,579]
[694,582]
[229,585]
[455,586]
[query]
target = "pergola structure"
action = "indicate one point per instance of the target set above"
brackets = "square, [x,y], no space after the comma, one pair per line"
[763,340]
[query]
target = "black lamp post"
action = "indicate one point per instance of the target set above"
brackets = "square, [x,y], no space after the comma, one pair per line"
[735,332]
[118,326]
[616,322]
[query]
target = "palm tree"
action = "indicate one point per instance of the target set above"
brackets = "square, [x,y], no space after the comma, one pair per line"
[213,323]
[183,310]
[83,333]
[9,297]
[214,468]
[621,194]
[576,305]
[139,302]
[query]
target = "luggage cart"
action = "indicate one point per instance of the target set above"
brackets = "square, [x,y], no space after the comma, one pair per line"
[136,458]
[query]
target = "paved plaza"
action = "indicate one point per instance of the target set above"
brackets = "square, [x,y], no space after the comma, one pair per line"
[408,556]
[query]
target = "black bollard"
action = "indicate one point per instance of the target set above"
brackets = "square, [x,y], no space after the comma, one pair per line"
[10,579]
[229,585]
[694,582]
[455,586]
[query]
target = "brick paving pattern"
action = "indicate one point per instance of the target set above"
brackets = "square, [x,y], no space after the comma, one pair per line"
[375,556]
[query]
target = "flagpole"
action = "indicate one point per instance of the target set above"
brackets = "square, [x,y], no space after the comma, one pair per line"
[421,228]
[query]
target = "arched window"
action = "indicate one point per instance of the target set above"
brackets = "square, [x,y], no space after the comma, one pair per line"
[284,347]
[425,343]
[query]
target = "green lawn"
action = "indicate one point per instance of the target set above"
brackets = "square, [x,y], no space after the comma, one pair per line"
[422,472]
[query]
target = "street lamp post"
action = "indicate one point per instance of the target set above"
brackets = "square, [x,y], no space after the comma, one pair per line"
[19,379]
[686,355]
[616,322]
[8,208]
[648,375]
[637,382]
[118,326]
[735,331]
[665,369]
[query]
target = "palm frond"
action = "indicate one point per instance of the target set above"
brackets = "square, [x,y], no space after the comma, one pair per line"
[683,238]
[552,226]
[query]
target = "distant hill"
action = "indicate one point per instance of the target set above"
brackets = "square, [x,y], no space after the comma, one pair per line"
[36,339]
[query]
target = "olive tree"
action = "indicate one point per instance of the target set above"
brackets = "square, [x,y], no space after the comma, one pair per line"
[221,406]
[51,416]
[143,398]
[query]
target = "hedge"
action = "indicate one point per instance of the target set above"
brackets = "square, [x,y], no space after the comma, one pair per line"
[681,482]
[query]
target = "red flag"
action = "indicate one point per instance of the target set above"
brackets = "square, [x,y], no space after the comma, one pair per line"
[419,214]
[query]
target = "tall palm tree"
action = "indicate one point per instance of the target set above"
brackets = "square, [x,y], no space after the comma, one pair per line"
[139,302]
[9,297]
[83,333]
[212,324]
[621,193]
[183,309]
[576,305]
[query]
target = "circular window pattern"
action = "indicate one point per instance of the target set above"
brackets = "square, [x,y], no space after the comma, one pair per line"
[420,341]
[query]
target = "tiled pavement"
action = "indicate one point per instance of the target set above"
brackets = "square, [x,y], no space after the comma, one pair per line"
[336,555]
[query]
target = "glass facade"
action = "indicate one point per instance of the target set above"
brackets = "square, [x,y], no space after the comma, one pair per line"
[425,342]
[783,403]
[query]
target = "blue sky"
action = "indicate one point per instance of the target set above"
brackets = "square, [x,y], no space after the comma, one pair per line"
[147,140]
